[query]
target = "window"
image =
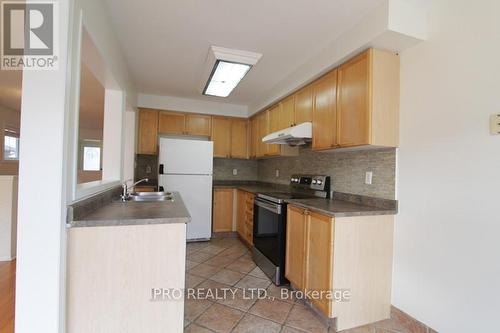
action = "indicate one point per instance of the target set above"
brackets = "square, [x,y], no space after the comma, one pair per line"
[11,145]
[91,158]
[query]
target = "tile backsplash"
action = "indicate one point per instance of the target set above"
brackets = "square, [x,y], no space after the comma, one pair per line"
[146,166]
[346,168]
[223,169]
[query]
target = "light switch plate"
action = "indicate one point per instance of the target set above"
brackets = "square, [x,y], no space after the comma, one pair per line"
[277,173]
[495,124]
[235,172]
[368,177]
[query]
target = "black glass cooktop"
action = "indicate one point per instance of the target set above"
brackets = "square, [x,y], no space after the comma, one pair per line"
[279,197]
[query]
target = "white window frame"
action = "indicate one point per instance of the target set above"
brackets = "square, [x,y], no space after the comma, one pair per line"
[114,110]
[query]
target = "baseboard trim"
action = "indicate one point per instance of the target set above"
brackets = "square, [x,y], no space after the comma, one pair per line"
[228,234]
[8,258]
[409,322]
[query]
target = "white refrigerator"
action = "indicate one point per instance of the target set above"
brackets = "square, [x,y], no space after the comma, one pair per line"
[185,165]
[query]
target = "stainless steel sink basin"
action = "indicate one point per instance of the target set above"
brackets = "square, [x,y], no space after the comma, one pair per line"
[151,196]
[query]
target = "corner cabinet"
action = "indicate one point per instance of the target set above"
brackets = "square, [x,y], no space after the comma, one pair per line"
[230,137]
[347,255]
[148,132]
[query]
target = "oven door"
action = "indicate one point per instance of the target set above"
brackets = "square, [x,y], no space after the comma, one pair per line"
[269,218]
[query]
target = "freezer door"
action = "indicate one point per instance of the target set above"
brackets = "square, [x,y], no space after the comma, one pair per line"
[182,156]
[196,192]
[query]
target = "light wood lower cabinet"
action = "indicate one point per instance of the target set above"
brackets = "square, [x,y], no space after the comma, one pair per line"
[319,258]
[348,255]
[223,210]
[295,246]
[244,216]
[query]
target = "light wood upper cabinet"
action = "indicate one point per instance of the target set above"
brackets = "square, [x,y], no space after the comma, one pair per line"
[148,132]
[295,246]
[303,105]
[263,119]
[324,118]
[239,138]
[221,136]
[197,124]
[287,112]
[273,126]
[254,136]
[171,123]
[223,210]
[319,258]
[368,100]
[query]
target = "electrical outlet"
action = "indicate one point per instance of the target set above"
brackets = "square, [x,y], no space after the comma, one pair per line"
[235,172]
[368,177]
[495,124]
[277,173]
[148,169]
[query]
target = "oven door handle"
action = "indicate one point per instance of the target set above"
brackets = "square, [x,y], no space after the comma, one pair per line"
[271,207]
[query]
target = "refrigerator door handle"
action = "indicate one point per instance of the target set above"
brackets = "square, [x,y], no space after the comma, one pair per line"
[161,169]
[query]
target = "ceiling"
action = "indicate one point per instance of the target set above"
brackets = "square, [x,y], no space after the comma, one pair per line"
[166,42]
[10,89]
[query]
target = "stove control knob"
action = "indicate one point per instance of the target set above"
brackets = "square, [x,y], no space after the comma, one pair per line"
[319,182]
[314,182]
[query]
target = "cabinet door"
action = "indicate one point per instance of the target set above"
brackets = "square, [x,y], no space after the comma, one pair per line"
[274,125]
[221,136]
[303,105]
[148,132]
[353,102]
[325,112]
[287,112]
[239,138]
[241,214]
[263,131]
[223,210]
[319,258]
[197,124]
[171,123]
[295,246]
[254,136]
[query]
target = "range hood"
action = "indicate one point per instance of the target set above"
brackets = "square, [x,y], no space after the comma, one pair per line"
[293,136]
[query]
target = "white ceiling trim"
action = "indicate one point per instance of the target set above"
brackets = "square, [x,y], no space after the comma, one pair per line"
[395,25]
[191,105]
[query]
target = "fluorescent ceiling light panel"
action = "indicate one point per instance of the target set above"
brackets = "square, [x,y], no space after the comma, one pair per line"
[225,77]
[225,68]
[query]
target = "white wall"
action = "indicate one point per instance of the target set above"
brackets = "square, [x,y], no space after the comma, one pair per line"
[42,204]
[447,247]
[129,145]
[191,105]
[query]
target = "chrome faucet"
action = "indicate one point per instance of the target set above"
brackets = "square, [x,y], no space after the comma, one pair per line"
[125,188]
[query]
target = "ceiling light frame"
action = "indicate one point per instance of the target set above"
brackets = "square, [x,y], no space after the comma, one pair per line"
[218,54]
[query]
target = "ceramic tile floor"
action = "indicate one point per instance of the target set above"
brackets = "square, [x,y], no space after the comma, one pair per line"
[226,264]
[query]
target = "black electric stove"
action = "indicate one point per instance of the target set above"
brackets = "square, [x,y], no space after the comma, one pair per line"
[269,226]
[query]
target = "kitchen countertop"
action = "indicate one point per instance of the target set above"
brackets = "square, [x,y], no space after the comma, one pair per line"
[340,208]
[341,205]
[117,213]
